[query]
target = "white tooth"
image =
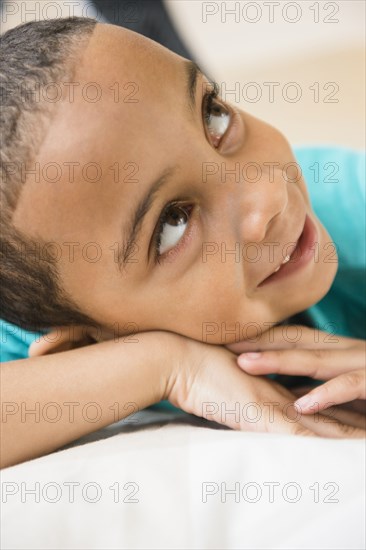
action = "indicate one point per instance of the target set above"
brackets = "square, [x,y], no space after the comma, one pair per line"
[284,262]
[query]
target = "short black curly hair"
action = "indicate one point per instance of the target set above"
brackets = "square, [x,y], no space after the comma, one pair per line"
[32,55]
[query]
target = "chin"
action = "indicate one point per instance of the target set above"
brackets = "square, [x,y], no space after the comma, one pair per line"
[320,286]
[327,280]
[329,269]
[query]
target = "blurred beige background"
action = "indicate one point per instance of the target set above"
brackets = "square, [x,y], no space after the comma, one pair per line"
[258,43]
[308,51]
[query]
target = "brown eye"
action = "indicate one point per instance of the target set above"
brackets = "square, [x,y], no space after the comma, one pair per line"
[173,224]
[217,119]
[176,216]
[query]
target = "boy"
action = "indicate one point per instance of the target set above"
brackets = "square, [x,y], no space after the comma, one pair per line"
[138,172]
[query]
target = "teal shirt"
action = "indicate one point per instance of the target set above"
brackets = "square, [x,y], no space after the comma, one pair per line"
[15,341]
[335,178]
[336,183]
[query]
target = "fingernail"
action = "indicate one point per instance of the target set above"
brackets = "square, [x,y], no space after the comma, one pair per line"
[248,356]
[305,402]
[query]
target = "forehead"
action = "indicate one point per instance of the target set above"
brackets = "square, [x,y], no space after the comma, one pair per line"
[120,82]
[99,143]
[113,48]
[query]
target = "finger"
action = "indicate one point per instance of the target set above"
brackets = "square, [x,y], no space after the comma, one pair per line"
[295,429]
[288,420]
[358,406]
[58,339]
[341,389]
[329,426]
[292,337]
[345,416]
[280,420]
[320,364]
[332,423]
[48,342]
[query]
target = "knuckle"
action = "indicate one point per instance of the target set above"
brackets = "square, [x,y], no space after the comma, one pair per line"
[273,356]
[297,345]
[321,353]
[304,358]
[346,429]
[298,429]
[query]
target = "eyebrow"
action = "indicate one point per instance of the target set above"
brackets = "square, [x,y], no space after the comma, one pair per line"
[192,71]
[134,227]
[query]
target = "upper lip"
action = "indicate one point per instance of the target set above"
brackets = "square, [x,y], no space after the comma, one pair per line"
[279,263]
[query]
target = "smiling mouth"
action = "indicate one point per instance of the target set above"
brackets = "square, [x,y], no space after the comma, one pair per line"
[288,257]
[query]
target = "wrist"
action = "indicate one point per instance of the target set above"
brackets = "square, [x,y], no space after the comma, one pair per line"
[161,355]
[185,358]
[170,351]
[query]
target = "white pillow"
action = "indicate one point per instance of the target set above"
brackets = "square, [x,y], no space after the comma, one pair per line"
[169,471]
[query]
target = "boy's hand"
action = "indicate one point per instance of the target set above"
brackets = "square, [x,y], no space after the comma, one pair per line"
[207,382]
[317,354]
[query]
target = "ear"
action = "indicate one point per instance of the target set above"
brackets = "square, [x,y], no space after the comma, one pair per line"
[61,339]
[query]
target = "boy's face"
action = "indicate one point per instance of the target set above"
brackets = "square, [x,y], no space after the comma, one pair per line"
[236,214]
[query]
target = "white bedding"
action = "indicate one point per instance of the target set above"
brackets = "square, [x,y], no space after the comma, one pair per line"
[174,465]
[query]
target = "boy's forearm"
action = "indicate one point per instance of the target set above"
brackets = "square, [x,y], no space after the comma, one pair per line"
[51,400]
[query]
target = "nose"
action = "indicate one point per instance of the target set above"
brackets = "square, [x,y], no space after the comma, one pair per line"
[258,203]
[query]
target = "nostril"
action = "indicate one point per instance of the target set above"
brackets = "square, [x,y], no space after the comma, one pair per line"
[270,223]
